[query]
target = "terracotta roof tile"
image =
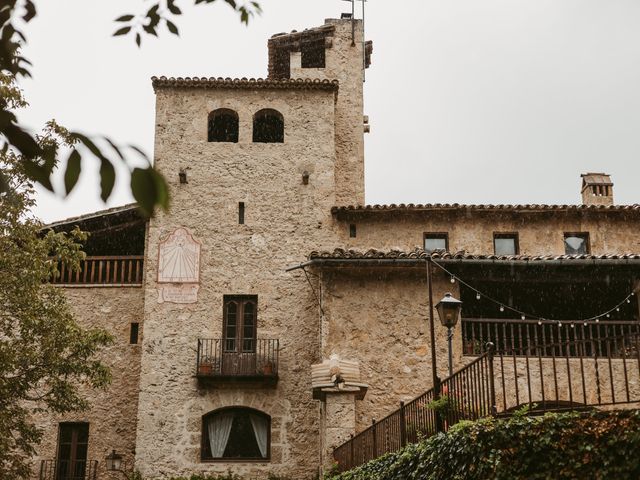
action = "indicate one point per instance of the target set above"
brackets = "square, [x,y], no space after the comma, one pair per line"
[245,83]
[420,254]
[411,207]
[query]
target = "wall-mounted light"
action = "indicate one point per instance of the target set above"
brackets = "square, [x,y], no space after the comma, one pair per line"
[113,462]
[305,178]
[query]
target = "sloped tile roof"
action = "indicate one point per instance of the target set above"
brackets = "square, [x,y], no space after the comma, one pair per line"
[420,207]
[245,83]
[420,254]
[131,207]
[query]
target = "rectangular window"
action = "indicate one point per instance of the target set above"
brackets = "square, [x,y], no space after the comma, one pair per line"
[506,244]
[436,241]
[576,243]
[312,53]
[241,213]
[133,333]
[240,323]
[352,230]
[73,441]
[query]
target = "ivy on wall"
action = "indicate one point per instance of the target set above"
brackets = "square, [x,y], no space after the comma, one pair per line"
[594,445]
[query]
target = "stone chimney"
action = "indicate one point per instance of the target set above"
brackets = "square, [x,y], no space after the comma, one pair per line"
[597,189]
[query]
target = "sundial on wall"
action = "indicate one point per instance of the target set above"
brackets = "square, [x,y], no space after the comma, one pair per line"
[179,268]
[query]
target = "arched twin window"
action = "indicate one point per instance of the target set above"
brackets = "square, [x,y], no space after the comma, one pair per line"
[268,126]
[236,433]
[223,126]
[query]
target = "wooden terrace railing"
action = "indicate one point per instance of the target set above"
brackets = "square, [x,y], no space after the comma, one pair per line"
[572,374]
[107,271]
[67,470]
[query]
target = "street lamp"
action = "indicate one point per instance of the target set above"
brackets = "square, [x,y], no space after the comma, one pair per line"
[449,311]
[114,462]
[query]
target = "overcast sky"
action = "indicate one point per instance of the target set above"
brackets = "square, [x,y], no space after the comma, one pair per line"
[470,101]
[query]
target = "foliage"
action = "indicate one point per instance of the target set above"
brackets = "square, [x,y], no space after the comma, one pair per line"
[45,357]
[595,445]
[148,187]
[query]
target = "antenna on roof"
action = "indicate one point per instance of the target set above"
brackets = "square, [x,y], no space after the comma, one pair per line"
[353,31]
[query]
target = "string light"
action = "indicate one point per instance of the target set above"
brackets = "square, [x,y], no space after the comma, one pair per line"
[559,325]
[525,315]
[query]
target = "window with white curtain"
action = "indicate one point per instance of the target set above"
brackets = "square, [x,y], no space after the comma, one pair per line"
[236,433]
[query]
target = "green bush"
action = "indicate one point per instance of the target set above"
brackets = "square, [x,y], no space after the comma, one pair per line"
[595,445]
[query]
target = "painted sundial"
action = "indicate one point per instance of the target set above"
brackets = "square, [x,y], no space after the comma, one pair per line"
[179,268]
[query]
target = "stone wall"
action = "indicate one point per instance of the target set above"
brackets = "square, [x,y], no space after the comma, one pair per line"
[540,233]
[113,413]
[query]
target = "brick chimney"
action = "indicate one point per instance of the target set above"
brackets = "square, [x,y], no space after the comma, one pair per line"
[597,189]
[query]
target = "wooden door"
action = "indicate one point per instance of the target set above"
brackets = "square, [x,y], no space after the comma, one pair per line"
[239,335]
[73,441]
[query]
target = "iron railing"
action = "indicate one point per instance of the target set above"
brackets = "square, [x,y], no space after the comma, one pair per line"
[524,337]
[248,358]
[103,271]
[571,374]
[68,470]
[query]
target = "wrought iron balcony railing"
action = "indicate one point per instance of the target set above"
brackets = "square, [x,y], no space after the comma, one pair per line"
[237,360]
[109,271]
[68,470]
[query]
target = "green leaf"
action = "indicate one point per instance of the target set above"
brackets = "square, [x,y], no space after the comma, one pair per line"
[72,173]
[38,173]
[122,31]
[171,5]
[172,27]
[107,179]
[125,18]
[149,189]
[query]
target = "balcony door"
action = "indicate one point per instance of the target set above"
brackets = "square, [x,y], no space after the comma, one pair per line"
[239,335]
[71,462]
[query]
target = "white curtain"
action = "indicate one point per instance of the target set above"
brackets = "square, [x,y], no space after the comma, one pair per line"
[219,427]
[261,430]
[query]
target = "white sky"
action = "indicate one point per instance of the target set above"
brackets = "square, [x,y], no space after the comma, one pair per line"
[470,101]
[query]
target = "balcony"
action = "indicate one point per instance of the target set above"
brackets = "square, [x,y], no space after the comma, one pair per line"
[68,470]
[107,271]
[229,361]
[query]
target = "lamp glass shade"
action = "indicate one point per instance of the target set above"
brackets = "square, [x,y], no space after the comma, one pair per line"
[113,461]
[449,309]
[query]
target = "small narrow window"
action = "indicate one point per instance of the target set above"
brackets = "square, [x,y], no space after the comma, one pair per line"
[241,213]
[436,241]
[223,126]
[268,126]
[352,230]
[133,333]
[576,243]
[505,244]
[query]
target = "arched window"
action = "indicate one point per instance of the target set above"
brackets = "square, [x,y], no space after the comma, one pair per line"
[236,433]
[223,126]
[268,126]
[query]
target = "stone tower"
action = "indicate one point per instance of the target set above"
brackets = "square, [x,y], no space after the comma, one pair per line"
[254,167]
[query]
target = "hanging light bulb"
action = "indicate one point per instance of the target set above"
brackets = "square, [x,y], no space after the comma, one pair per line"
[559,325]
[453,279]
[572,325]
[477,295]
[523,317]
[608,315]
[502,308]
[539,322]
[585,324]
[628,300]
[617,309]
[597,320]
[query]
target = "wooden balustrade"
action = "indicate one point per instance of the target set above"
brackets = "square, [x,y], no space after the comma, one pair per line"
[107,271]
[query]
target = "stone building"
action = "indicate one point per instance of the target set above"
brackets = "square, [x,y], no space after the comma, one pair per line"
[268,264]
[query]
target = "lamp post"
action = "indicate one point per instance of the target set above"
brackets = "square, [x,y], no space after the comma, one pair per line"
[449,311]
